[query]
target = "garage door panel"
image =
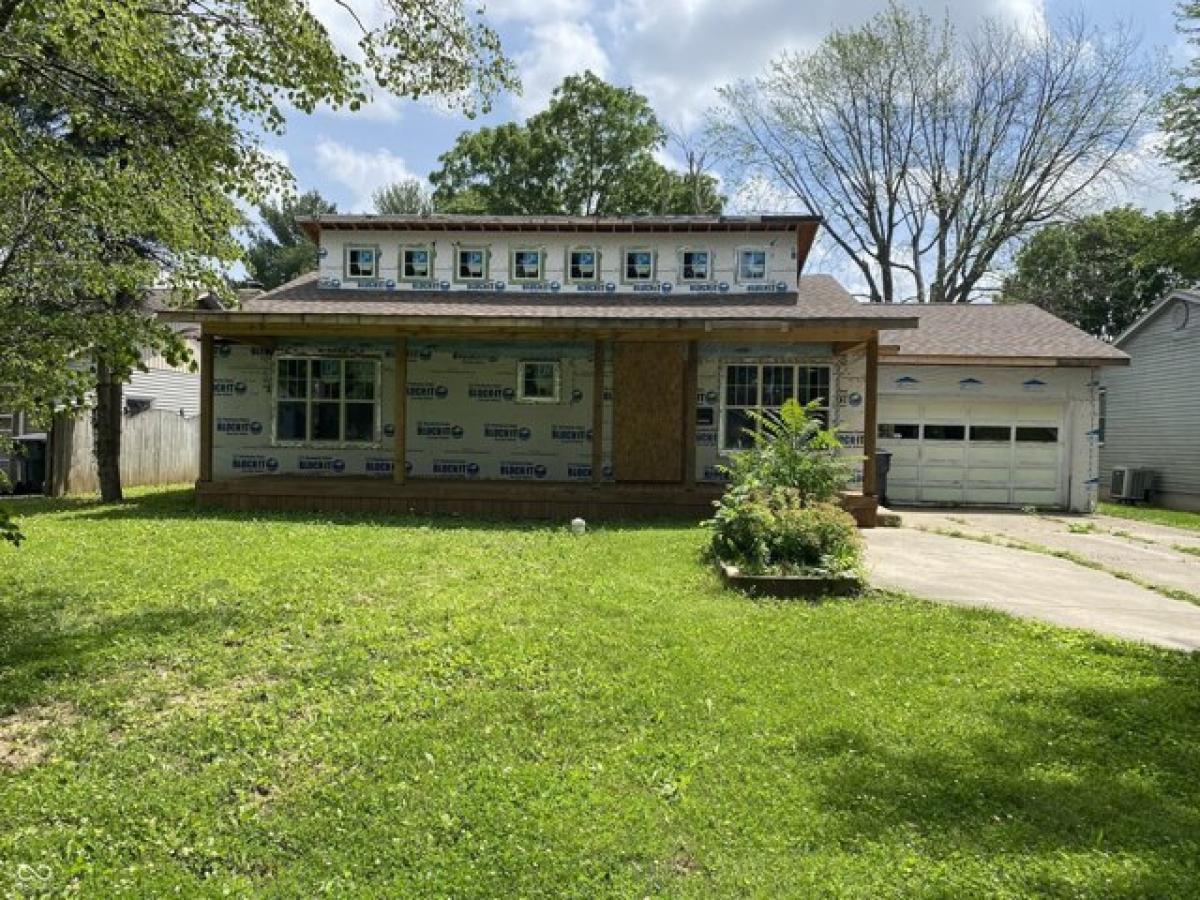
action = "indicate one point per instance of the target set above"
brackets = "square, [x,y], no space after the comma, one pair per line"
[988,477]
[974,451]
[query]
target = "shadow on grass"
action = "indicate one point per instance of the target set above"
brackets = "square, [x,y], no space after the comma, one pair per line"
[180,504]
[46,639]
[1071,769]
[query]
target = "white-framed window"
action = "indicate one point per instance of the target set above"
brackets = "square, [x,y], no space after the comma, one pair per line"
[527,264]
[763,387]
[583,264]
[471,263]
[324,400]
[1101,415]
[751,264]
[362,261]
[416,262]
[539,381]
[637,264]
[695,264]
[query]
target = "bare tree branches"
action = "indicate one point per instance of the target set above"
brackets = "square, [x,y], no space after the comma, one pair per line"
[929,153]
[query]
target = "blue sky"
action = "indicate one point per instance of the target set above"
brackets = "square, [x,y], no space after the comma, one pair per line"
[676,52]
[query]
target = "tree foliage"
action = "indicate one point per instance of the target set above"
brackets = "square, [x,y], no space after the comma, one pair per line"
[590,152]
[1103,272]
[128,133]
[279,251]
[1182,107]
[928,152]
[404,197]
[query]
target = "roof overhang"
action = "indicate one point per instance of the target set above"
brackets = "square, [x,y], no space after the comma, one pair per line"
[1189,297]
[230,321]
[1000,361]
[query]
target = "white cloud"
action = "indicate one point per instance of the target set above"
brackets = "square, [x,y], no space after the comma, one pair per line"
[361,171]
[557,49]
[678,52]
[536,10]
[346,33]
[1148,179]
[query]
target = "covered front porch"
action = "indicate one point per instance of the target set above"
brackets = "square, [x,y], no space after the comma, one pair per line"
[647,415]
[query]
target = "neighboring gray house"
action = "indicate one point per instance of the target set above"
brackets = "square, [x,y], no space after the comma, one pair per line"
[1151,410]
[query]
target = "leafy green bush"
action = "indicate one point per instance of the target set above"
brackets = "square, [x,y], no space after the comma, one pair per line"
[779,515]
[792,448]
[773,532]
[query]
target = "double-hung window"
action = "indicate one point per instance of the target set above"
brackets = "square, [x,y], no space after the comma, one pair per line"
[323,400]
[763,388]
[695,265]
[416,263]
[527,265]
[583,264]
[751,264]
[362,262]
[638,265]
[471,263]
[538,381]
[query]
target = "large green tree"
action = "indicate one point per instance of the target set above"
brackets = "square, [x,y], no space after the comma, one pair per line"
[128,131]
[279,251]
[1102,272]
[590,152]
[1182,107]
[404,197]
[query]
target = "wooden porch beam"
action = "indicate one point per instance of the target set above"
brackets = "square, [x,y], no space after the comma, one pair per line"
[598,413]
[690,383]
[207,424]
[400,411]
[871,418]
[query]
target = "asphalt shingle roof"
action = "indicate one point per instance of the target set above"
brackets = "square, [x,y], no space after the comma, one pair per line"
[995,331]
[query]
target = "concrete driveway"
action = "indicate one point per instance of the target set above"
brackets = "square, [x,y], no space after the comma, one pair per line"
[1040,586]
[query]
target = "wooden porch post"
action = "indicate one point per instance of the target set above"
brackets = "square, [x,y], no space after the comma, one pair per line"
[400,411]
[206,406]
[598,412]
[871,417]
[690,381]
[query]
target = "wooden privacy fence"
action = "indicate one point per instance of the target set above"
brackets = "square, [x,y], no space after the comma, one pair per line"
[157,447]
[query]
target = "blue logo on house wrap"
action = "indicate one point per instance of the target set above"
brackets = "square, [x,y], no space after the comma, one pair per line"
[245,463]
[455,468]
[522,470]
[569,434]
[378,466]
[427,390]
[321,464]
[228,387]
[579,470]
[495,432]
[576,396]
[439,430]
[490,393]
[239,427]
[389,430]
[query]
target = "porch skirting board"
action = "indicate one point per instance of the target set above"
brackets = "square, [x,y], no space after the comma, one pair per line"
[483,499]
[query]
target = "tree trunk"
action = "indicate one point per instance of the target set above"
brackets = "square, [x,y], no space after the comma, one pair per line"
[106,433]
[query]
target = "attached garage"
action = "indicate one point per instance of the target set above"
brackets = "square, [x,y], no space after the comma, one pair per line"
[991,405]
[966,453]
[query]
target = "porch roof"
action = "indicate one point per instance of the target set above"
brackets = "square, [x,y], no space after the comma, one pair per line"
[819,302]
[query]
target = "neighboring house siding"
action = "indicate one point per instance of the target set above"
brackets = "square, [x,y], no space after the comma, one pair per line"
[1153,409]
[171,390]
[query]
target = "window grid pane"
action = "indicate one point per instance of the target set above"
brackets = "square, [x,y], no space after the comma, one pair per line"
[537,381]
[752,265]
[583,265]
[814,385]
[326,400]
[527,264]
[639,265]
[293,379]
[778,385]
[361,262]
[360,379]
[416,263]
[470,263]
[326,379]
[741,386]
[695,265]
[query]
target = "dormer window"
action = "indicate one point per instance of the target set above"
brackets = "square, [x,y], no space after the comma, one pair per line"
[639,265]
[583,264]
[527,265]
[471,264]
[695,265]
[752,264]
[416,263]
[362,262]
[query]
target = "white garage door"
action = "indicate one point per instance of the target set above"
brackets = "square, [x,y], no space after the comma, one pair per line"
[958,452]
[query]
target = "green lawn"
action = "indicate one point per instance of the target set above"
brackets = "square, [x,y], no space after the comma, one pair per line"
[1176,517]
[292,706]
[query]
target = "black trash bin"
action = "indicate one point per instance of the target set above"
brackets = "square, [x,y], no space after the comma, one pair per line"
[883,465]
